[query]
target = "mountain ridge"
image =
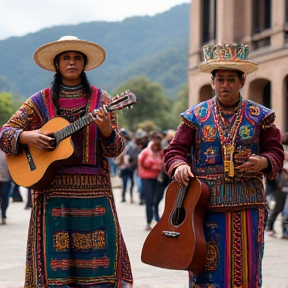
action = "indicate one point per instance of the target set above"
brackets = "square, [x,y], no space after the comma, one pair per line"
[156,46]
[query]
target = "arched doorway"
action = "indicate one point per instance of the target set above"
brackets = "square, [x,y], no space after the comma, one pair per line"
[205,93]
[285,102]
[260,92]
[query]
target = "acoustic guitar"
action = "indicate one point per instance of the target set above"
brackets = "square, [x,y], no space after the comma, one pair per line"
[36,168]
[177,241]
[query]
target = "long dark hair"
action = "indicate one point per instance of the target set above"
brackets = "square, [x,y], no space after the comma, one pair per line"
[57,81]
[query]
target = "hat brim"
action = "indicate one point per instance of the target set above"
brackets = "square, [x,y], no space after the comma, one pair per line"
[244,66]
[45,54]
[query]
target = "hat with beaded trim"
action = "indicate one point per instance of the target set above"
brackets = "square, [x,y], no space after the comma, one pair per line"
[45,54]
[227,56]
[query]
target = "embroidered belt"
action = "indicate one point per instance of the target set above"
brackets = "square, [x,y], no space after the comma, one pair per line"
[64,182]
[235,194]
[216,173]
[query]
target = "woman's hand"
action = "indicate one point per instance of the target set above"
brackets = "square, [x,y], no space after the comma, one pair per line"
[183,174]
[34,137]
[255,164]
[103,122]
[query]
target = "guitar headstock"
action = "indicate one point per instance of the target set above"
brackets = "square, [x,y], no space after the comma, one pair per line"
[121,101]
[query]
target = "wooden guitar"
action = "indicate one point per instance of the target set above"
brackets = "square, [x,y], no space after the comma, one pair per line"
[36,168]
[177,241]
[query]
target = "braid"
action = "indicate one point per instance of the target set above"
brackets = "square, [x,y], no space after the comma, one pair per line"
[85,83]
[56,84]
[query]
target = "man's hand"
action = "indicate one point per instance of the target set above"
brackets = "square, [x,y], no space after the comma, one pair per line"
[255,163]
[183,174]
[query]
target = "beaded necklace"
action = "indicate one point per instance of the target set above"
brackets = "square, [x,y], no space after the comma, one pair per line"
[227,130]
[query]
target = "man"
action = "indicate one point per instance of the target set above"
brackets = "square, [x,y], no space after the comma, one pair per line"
[233,143]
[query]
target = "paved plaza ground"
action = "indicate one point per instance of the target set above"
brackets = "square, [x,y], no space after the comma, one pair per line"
[132,220]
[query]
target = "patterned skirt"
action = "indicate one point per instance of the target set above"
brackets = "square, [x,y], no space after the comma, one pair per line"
[74,237]
[235,245]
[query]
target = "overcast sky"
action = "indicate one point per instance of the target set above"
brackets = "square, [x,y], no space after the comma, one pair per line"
[20,17]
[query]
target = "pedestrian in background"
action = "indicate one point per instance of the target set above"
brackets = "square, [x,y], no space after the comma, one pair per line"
[168,136]
[127,164]
[141,140]
[280,198]
[29,199]
[15,193]
[150,166]
[5,187]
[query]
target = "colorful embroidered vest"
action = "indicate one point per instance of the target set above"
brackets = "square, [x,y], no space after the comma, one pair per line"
[220,147]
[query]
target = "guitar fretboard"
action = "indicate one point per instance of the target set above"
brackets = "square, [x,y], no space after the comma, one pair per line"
[74,127]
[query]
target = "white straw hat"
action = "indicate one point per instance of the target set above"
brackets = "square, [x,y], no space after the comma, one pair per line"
[45,54]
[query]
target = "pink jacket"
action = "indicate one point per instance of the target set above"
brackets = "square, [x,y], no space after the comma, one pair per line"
[150,163]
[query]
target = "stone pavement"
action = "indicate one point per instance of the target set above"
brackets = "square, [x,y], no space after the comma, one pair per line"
[132,220]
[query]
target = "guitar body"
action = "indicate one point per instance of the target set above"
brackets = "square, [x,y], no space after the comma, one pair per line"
[36,168]
[28,168]
[180,246]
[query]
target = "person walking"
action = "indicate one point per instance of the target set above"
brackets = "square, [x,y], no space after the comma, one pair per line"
[233,143]
[15,193]
[74,237]
[127,164]
[150,165]
[5,187]
[29,199]
[141,141]
[280,196]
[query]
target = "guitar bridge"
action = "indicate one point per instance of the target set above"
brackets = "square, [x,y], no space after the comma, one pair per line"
[29,158]
[171,234]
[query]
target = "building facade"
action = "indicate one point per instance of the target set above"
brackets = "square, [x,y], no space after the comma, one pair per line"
[261,24]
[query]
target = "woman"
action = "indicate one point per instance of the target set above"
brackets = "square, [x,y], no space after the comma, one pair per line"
[74,237]
[150,165]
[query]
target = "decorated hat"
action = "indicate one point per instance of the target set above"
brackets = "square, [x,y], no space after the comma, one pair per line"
[45,54]
[227,56]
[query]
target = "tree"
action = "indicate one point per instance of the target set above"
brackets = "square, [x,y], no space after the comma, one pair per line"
[181,104]
[148,126]
[7,107]
[152,104]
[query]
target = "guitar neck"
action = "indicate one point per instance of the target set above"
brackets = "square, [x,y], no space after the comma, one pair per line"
[119,102]
[74,127]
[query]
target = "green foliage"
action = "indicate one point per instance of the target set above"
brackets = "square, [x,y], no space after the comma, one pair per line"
[181,103]
[148,126]
[153,110]
[7,107]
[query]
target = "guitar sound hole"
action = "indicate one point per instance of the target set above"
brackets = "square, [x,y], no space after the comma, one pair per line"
[178,216]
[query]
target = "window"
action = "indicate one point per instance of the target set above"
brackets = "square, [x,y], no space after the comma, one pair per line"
[261,12]
[267,95]
[286,11]
[209,20]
